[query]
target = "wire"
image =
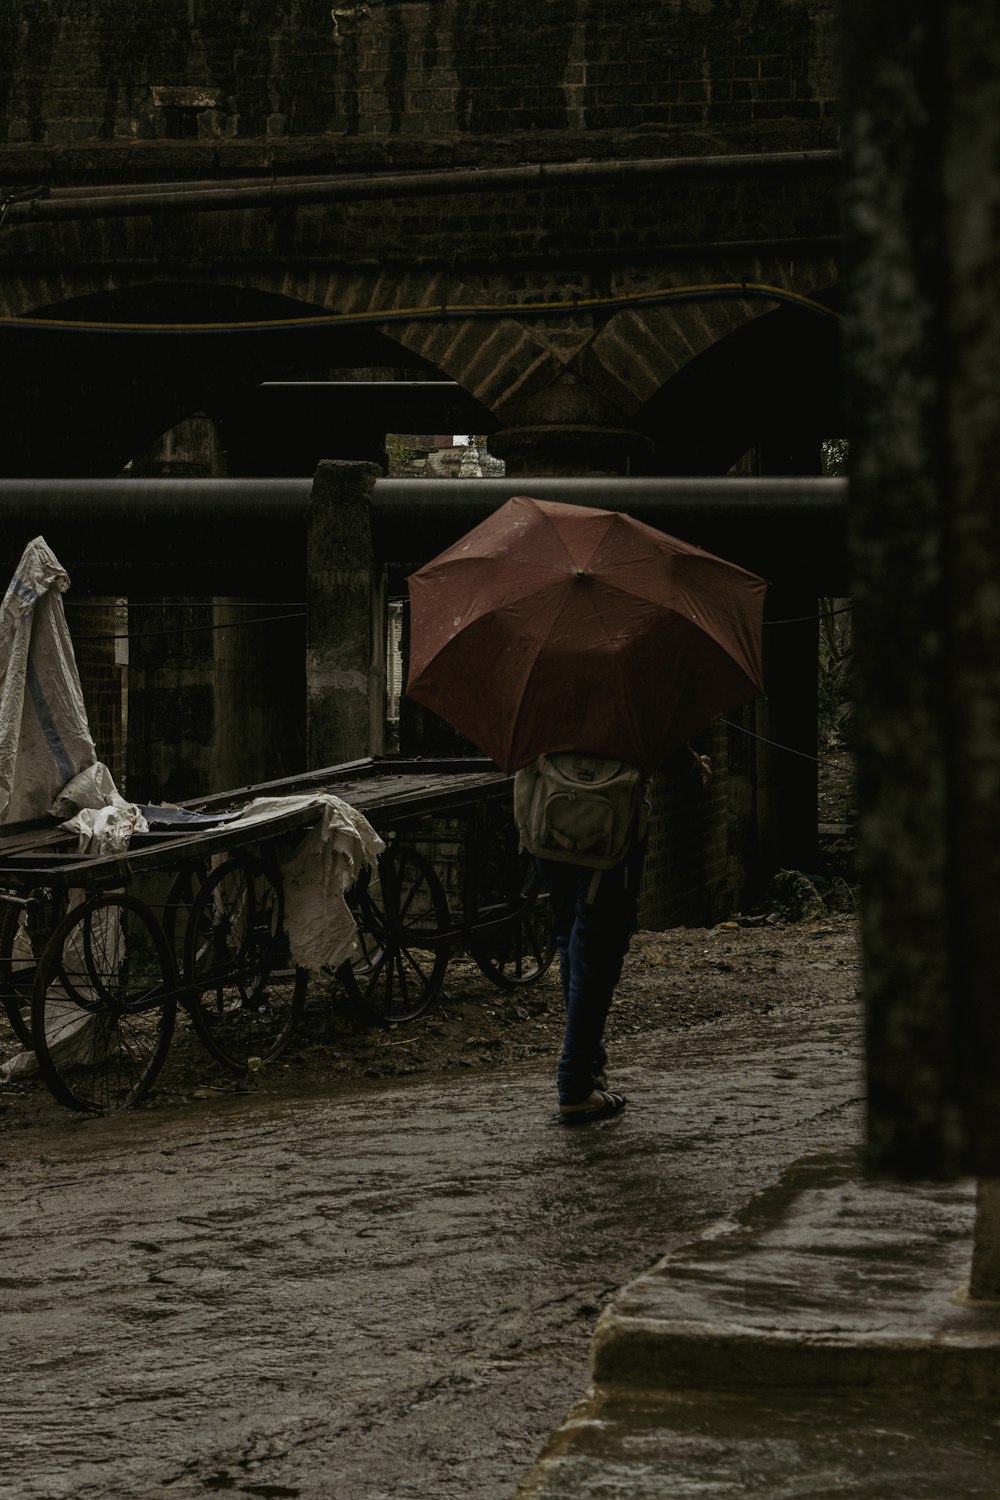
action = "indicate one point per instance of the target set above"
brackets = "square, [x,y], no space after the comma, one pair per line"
[819,760]
[738,290]
[267,619]
[148,635]
[805,619]
[164,604]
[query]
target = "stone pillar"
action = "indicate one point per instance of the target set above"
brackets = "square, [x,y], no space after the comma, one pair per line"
[922,219]
[345,592]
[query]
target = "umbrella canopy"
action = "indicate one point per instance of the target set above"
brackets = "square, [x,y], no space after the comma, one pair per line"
[563,627]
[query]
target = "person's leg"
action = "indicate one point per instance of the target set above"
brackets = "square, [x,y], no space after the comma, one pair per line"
[595,953]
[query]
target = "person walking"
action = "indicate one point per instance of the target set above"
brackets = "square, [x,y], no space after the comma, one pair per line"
[595,914]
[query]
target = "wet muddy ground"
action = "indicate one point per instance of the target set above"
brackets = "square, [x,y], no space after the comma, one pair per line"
[675,980]
[377,1273]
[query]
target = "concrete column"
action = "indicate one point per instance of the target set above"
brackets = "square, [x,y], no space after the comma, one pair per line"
[345,592]
[922,214]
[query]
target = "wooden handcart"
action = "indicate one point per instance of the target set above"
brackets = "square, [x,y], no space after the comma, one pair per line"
[97,953]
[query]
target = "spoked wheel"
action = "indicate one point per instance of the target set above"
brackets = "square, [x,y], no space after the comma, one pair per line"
[19,945]
[103,1004]
[514,941]
[177,909]
[247,995]
[400,916]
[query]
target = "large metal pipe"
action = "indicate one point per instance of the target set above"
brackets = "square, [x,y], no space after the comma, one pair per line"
[174,535]
[128,200]
[792,528]
[216,534]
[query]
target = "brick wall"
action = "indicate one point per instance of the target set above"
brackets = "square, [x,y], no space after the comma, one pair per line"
[216,82]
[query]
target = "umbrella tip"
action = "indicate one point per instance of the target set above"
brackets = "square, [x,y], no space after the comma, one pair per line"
[581,572]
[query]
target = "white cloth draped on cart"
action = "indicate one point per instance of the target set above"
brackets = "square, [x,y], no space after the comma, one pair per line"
[317,872]
[44,735]
[48,761]
[94,809]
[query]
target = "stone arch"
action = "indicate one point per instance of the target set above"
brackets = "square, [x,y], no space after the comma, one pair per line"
[774,383]
[85,402]
[572,370]
[640,349]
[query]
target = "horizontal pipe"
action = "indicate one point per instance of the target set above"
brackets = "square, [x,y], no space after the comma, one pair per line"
[226,533]
[129,200]
[787,528]
[214,535]
[120,501]
[437,499]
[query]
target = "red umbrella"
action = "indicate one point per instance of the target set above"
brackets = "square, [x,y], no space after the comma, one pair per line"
[562,627]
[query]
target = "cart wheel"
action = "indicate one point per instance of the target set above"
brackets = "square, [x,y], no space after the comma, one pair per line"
[247,995]
[400,966]
[517,947]
[103,1004]
[180,898]
[18,963]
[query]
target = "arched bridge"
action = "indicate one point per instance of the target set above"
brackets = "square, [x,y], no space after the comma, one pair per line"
[605,236]
[612,230]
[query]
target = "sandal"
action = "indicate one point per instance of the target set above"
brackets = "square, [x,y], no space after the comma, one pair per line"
[586,1114]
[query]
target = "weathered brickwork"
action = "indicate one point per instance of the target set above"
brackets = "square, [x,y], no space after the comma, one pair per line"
[279,82]
[105,95]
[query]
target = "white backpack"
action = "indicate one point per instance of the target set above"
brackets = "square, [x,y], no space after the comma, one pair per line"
[580,809]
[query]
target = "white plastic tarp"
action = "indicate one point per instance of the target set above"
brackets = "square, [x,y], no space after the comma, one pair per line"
[44,735]
[92,807]
[48,764]
[48,761]
[317,872]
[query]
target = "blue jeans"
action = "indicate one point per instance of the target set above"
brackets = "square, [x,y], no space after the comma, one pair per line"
[592,940]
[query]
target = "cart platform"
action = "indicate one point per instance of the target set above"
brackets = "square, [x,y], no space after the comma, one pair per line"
[100,950]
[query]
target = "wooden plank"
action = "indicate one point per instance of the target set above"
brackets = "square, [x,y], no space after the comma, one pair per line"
[388,793]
